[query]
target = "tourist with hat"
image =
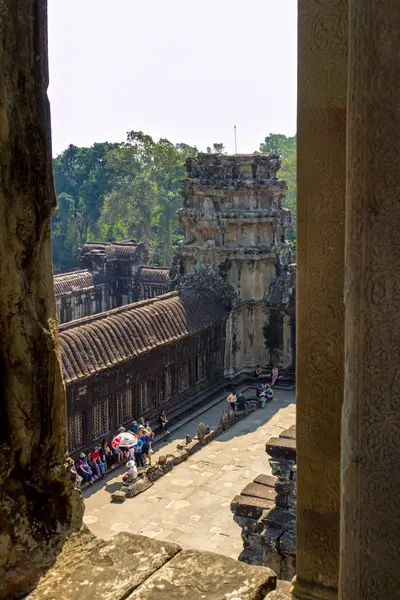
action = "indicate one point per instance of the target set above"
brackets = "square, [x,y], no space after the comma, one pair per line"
[84,470]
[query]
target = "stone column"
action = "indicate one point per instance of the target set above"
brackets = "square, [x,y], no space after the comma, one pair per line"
[38,508]
[321,151]
[370,526]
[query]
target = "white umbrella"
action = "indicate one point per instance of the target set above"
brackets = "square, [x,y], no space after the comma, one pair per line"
[124,440]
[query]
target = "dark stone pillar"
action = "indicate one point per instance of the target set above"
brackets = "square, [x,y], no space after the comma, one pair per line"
[37,506]
[321,151]
[370,525]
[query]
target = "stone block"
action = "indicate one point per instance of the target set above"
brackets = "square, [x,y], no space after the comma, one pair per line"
[288,434]
[138,487]
[212,435]
[246,506]
[195,575]
[282,592]
[179,456]
[118,496]
[168,465]
[113,570]
[154,472]
[266,480]
[193,447]
[259,491]
[281,448]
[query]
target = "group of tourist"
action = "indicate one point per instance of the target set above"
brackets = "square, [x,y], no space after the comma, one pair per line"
[106,456]
[274,375]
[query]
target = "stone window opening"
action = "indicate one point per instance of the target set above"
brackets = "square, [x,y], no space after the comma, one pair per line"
[76,431]
[183,376]
[101,419]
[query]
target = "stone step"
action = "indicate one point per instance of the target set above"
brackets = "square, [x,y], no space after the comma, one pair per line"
[255,490]
[266,480]
[289,433]
[249,507]
[281,448]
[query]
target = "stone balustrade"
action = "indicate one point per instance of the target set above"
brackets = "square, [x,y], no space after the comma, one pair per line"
[266,510]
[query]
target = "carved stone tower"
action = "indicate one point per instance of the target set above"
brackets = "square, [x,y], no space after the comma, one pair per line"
[235,225]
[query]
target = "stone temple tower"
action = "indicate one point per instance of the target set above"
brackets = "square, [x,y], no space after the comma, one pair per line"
[235,224]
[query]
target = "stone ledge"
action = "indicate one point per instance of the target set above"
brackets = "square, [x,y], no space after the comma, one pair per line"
[137,567]
[256,490]
[252,508]
[195,575]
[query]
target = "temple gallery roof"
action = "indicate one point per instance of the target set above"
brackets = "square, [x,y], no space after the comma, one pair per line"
[125,250]
[66,283]
[152,275]
[102,341]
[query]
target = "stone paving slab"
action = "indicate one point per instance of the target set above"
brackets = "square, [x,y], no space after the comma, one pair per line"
[201,487]
[205,576]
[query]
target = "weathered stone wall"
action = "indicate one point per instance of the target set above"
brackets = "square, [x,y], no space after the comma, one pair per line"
[38,506]
[235,225]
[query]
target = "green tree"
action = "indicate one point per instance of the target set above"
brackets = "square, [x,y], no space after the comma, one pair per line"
[285,148]
[146,191]
[84,177]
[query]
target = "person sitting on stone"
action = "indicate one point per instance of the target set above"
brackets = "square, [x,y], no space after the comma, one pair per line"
[96,464]
[84,470]
[107,455]
[260,390]
[135,428]
[132,474]
[164,422]
[232,400]
[241,402]
[258,373]
[268,392]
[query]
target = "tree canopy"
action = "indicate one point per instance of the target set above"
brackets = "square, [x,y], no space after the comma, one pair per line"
[114,191]
[285,148]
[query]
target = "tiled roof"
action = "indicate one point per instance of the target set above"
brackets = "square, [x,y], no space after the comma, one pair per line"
[153,275]
[65,283]
[99,342]
[114,251]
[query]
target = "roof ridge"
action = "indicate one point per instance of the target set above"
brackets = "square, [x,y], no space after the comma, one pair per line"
[115,311]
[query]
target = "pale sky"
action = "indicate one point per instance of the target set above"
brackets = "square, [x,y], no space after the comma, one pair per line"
[187,70]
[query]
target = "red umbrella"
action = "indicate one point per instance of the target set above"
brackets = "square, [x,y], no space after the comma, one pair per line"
[124,440]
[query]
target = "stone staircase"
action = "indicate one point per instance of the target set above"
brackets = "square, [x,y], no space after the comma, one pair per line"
[136,567]
[266,510]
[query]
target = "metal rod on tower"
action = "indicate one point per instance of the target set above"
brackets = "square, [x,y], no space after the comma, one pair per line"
[234,127]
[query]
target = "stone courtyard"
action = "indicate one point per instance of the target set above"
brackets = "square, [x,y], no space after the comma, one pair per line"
[191,505]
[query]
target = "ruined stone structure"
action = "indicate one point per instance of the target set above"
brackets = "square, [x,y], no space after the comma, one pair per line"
[235,225]
[266,510]
[133,361]
[114,276]
[348,331]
